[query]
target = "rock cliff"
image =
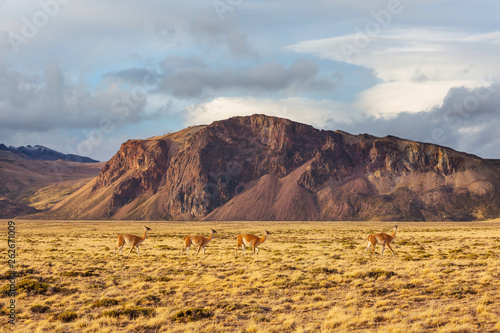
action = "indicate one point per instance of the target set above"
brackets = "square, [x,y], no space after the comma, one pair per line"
[268,168]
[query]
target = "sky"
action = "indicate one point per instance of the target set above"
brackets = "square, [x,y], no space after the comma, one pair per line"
[83,77]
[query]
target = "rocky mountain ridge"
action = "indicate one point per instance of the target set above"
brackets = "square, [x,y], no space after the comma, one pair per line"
[268,168]
[41,153]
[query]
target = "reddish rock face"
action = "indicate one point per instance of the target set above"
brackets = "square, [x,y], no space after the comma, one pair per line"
[268,168]
[137,168]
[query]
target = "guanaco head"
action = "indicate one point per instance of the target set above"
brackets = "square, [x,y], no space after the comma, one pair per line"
[267,232]
[147,228]
[213,231]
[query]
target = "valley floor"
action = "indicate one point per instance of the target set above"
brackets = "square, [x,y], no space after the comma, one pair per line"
[308,277]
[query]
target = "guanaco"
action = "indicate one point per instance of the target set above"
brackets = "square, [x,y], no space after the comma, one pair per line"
[198,241]
[133,240]
[250,240]
[382,239]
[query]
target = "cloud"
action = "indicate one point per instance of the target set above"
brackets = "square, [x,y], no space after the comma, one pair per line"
[415,67]
[391,98]
[134,75]
[309,111]
[156,58]
[215,33]
[467,120]
[192,78]
[50,101]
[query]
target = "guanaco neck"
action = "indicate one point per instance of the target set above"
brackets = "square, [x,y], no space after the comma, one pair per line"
[145,234]
[263,239]
[394,233]
[210,237]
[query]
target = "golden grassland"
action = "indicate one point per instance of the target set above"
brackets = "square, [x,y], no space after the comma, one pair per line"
[308,277]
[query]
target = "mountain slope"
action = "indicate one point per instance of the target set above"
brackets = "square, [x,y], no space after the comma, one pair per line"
[10,209]
[28,184]
[268,168]
[41,153]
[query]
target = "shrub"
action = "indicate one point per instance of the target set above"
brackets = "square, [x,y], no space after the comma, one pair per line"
[23,272]
[164,279]
[192,314]
[149,299]
[37,308]
[379,273]
[111,313]
[67,316]
[324,270]
[378,291]
[137,311]
[132,313]
[87,273]
[105,302]
[31,286]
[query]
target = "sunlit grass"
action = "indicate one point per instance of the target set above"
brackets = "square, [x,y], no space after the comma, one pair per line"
[308,277]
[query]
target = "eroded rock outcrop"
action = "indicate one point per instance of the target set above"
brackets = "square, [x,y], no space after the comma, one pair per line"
[268,168]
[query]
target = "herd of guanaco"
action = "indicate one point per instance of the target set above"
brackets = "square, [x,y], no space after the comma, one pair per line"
[243,240]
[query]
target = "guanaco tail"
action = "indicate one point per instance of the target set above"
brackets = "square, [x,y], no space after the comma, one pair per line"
[133,240]
[198,241]
[382,239]
[250,241]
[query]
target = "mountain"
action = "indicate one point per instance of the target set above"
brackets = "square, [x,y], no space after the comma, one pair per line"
[10,209]
[29,185]
[268,168]
[41,153]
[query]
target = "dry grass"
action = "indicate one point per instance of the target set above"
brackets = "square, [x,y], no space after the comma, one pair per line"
[308,277]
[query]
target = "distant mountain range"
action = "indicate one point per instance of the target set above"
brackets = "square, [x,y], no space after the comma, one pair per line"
[36,178]
[268,168]
[41,153]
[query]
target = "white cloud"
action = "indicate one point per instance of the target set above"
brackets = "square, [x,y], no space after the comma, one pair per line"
[416,67]
[470,130]
[390,98]
[43,103]
[102,48]
[310,111]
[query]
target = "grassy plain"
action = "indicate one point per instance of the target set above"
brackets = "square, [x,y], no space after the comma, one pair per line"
[308,277]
